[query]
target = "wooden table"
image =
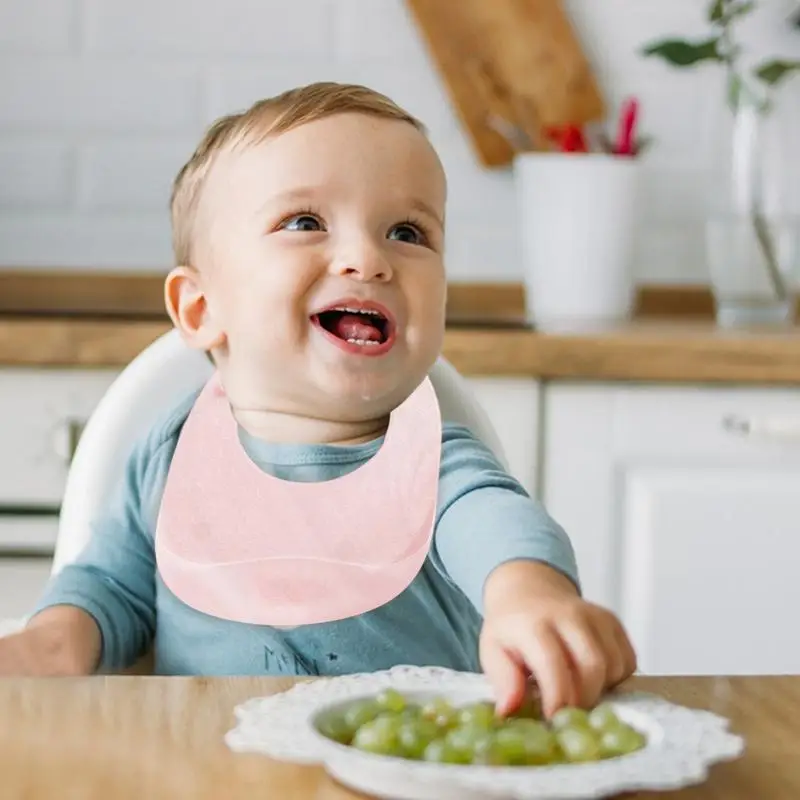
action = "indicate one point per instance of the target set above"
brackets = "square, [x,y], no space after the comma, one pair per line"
[161,739]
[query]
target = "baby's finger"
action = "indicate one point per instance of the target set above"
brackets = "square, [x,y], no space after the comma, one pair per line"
[615,659]
[629,660]
[549,664]
[589,659]
[506,675]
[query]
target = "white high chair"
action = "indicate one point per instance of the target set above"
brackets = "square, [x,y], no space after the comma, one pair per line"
[159,377]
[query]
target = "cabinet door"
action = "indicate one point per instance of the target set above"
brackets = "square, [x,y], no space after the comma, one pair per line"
[512,405]
[684,507]
[22,581]
[26,557]
[41,415]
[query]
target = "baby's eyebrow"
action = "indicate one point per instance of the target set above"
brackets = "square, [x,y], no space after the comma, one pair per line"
[308,193]
[303,193]
[427,210]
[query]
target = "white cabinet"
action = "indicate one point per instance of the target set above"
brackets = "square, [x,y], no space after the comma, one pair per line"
[41,416]
[22,581]
[26,548]
[512,405]
[684,508]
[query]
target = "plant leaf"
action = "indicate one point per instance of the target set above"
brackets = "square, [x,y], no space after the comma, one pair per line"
[773,72]
[726,10]
[681,53]
[717,11]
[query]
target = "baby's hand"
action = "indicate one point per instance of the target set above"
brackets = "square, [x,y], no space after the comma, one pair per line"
[574,650]
[21,654]
[59,641]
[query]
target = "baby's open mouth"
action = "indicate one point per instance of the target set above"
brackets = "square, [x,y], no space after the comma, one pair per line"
[364,327]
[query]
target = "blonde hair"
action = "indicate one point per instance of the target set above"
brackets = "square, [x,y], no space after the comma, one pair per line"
[265,118]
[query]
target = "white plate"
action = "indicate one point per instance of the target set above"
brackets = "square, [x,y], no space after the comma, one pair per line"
[682,744]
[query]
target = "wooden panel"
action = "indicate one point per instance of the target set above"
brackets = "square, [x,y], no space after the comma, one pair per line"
[141,296]
[162,738]
[519,59]
[98,293]
[669,352]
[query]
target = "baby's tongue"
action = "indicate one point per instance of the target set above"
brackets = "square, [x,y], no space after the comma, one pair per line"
[353,326]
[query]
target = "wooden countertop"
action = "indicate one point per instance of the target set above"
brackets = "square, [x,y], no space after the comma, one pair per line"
[102,320]
[161,738]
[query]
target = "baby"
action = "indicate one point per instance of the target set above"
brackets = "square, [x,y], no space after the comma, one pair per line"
[309,237]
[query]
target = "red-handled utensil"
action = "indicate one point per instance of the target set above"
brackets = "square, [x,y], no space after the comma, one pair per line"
[626,133]
[569,139]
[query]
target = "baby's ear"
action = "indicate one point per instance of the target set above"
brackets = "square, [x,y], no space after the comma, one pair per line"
[188,309]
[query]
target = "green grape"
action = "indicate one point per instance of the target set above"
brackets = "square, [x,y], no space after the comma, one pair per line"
[464,739]
[441,752]
[488,751]
[482,714]
[578,744]
[411,711]
[440,711]
[387,721]
[569,717]
[391,700]
[509,744]
[333,726]
[473,734]
[524,724]
[603,717]
[360,712]
[540,743]
[531,708]
[415,735]
[620,741]
[374,737]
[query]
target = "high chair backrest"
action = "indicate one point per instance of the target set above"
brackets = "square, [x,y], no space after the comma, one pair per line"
[161,376]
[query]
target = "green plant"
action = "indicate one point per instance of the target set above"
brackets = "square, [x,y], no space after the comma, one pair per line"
[721,47]
[752,90]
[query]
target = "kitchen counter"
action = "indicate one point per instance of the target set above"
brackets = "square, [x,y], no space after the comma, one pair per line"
[61,320]
[158,738]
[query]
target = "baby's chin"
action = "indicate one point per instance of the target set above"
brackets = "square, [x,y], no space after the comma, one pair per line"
[375,388]
[362,400]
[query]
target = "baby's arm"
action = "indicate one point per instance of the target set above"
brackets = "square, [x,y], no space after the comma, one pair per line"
[98,613]
[518,568]
[486,519]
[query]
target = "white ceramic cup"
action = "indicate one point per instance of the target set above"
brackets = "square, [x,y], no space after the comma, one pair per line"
[577,214]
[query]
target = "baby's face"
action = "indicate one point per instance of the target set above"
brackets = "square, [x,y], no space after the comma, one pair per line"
[322,260]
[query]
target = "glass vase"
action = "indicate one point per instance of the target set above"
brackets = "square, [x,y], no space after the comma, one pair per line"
[753,222]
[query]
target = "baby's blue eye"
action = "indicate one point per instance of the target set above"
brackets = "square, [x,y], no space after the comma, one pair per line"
[302,223]
[406,233]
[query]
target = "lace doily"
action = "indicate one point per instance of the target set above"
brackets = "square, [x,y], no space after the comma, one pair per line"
[682,744]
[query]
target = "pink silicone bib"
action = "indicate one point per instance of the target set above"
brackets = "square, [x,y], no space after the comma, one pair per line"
[239,544]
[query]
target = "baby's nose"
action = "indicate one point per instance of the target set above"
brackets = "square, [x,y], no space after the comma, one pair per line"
[366,267]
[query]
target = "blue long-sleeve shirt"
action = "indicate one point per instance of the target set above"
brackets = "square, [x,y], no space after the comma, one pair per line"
[484,519]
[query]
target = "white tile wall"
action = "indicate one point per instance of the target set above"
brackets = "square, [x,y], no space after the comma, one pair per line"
[22,30]
[36,173]
[102,100]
